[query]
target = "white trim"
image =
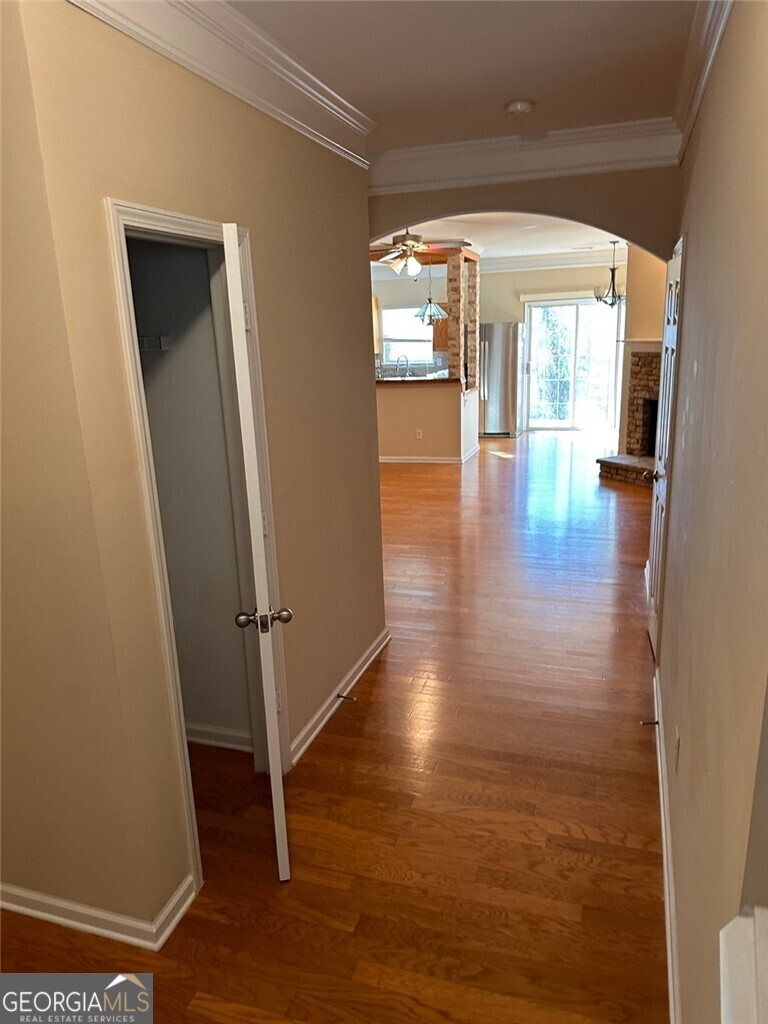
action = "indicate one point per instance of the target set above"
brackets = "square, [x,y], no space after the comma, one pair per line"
[670,905]
[229,24]
[455,460]
[331,704]
[709,21]
[224,47]
[761,961]
[561,153]
[556,296]
[219,736]
[146,934]
[554,261]
[120,216]
[744,968]
[472,452]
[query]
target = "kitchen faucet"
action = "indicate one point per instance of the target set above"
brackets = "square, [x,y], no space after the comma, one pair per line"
[407,364]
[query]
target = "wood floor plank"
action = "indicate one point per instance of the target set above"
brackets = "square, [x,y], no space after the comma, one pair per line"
[475,839]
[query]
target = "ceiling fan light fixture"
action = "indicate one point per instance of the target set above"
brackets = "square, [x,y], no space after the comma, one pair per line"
[397,264]
[412,266]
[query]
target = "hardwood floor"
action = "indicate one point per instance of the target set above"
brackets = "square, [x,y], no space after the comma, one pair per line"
[476,839]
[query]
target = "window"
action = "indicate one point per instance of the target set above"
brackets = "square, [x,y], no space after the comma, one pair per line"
[403,335]
[572,364]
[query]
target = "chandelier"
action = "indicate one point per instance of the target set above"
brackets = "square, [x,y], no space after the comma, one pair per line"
[610,296]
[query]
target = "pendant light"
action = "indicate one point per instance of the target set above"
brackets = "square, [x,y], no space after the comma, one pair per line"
[430,311]
[610,296]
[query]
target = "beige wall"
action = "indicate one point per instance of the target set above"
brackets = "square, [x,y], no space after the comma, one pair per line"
[501,294]
[400,292]
[714,636]
[83,817]
[645,282]
[433,408]
[89,771]
[641,206]
[646,276]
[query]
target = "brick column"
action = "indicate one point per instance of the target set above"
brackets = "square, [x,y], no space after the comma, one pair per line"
[455,304]
[473,322]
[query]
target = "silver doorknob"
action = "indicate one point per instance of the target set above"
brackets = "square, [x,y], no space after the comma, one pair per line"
[284,615]
[655,475]
[243,619]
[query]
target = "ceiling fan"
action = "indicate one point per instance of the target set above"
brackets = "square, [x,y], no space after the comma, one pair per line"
[402,253]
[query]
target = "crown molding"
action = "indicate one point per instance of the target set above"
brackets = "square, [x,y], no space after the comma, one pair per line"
[518,264]
[709,21]
[221,45]
[217,42]
[553,261]
[562,153]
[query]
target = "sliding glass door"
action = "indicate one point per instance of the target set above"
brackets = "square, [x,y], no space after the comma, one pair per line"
[573,365]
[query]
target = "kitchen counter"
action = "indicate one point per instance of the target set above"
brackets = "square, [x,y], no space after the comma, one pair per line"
[427,423]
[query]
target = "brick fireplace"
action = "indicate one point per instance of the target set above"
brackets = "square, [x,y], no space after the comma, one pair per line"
[643,402]
[641,416]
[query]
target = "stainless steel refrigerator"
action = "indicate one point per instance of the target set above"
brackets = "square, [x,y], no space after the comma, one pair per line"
[502,378]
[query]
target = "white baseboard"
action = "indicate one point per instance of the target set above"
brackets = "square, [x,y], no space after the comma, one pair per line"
[331,705]
[472,451]
[218,736]
[455,460]
[744,968]
[132,930]
[670,906]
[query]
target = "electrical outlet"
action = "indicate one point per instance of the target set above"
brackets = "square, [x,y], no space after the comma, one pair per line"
[419,435]
[677,748]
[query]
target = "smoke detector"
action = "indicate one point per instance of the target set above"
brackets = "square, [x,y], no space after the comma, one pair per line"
[519,107]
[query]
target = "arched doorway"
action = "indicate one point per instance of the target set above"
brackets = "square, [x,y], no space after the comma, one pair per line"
[542,273]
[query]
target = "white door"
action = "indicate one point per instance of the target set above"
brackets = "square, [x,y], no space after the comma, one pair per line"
[263,619]
[655,575]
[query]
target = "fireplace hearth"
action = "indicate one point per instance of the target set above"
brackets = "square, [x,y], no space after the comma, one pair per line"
[642,418]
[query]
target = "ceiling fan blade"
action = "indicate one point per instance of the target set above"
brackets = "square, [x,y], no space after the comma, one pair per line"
[389,256]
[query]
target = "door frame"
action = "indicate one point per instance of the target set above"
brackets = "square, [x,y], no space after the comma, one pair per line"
[158,225]
[654,636]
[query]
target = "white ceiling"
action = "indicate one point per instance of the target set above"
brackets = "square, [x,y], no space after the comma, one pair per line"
[504,235]
[430,71]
